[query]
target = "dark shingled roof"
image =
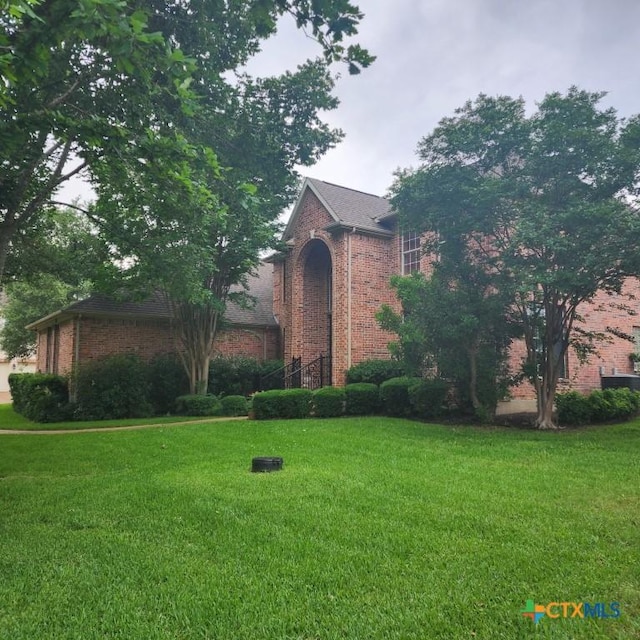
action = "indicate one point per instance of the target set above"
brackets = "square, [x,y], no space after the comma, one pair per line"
[155,307]
[348,207]
[260,288]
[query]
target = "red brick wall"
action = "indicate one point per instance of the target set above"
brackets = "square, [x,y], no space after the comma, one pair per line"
[613,354]
[102,337]
[361,268]
[258,343]
[297,303]
[373,261]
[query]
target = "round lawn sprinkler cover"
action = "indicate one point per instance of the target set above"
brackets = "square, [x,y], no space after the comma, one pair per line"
[266,464]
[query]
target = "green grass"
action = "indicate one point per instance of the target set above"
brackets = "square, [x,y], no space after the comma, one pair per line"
[11,420]
[376,528]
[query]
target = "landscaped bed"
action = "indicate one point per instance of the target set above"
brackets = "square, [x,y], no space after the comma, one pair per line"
[375,528]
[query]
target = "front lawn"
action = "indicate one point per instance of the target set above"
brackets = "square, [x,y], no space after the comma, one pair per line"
[376,528]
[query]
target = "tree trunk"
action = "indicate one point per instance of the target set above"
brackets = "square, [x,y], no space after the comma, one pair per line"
[544,419]
[7,229]
[473,377]
[196,326]
[199,380]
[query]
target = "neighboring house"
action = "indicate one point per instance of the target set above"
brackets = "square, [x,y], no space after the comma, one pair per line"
[316,298]
[98,326]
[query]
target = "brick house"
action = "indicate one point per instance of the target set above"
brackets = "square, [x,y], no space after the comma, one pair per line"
[342,248]
[98,326]
[316,298]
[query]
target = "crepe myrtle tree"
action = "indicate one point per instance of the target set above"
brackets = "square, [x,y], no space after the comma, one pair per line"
[545,203]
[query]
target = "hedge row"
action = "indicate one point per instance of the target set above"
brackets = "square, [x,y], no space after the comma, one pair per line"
[405,397]
[41,397]
[209,405]
[599,406]
[118,387]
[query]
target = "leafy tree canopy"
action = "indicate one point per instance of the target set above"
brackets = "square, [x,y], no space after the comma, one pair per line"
[545,204]
[60,267]
[93,84]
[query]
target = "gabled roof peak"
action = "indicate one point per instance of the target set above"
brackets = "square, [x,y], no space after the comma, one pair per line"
[348,207]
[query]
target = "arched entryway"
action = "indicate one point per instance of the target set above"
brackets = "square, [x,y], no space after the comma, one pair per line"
[317,304]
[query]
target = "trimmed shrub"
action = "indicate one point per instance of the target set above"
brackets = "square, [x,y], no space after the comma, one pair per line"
[328,402]
[198,405]
[375,371]
[282,403]
[111,388]
[266,404]
[168,380]
[394,396]
[41,397]
[17,386]
[573,408]
[234,406]
[613,404]
[362,398]
[427,397]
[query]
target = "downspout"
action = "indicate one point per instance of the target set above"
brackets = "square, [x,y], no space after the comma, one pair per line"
[76,358]
[349,298]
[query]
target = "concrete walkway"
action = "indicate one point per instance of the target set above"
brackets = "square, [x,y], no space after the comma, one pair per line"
[135,427]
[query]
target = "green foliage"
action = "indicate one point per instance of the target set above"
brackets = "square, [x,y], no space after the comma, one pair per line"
[456,321]
[26,303]
[329,402]
[113,387]
[234,406]
[613,404]
[375,371]
[394,396]
[427,397]
[198,405]
[573,408]
[167,381]
[362,398]
[282,403]
[159,108]
[269,381]
[40,397]
[239,375]
[538,206]
[606,405]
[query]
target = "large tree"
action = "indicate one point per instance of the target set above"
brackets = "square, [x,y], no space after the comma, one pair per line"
[110,81]
[191,159]
[544,203]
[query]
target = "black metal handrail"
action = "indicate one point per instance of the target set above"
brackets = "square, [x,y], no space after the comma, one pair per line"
[277,379]
[294,375]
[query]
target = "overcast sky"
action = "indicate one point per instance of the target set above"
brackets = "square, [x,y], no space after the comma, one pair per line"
[434,55]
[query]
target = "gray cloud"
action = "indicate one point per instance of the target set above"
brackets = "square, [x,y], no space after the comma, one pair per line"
[433,56]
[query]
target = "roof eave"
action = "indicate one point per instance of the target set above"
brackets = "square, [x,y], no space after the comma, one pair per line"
[341,226]
[60,316]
